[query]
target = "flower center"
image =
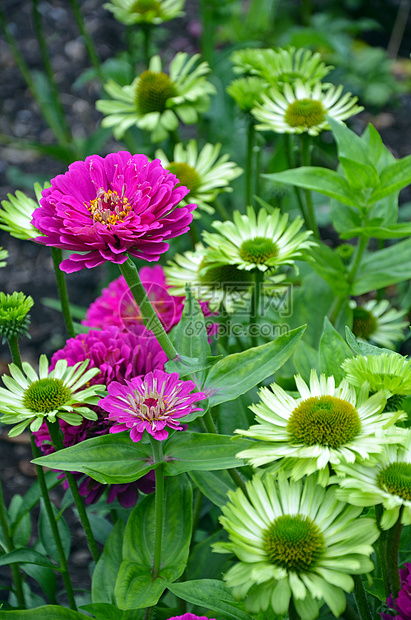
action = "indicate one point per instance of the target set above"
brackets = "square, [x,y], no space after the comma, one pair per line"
[153,90]
[258,250]
[295,543]
[45,395]
[324,420]
[396,479]
[151,406]
[226,276]
[146,6]
[305,113]
[187,175]
[108,207]
[364,323]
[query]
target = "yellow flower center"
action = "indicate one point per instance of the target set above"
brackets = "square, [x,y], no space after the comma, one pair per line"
[187,175]
[46,395]
[258,250]
[142,7]
[294,542]
[108,207]
[324,420]
[364,323]
[396,479]
[305,113]
[153,90]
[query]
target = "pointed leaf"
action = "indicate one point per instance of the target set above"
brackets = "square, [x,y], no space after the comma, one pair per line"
[382,268]
[333,351]
[393,178]
[363,348]
[108,566]
[214,485]
[26,555]
[210,594]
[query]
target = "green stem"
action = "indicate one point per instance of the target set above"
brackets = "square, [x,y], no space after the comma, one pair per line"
[91,49]
[54,430]
[306,161]
[340,302]
[255,306]
[53,526]
[150,318]
[4,524]
[393,546]
[15,351]
[221,210]
[207,37]
[49,70]
[57,256]
[361,598]
[147,30]
[288,142]
[249,162]
[209,422]
[159,503]
[381,550]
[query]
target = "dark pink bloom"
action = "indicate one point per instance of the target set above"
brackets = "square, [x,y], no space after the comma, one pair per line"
[189,617]
[401,608]
[150,403]
[120,356]
[108,207]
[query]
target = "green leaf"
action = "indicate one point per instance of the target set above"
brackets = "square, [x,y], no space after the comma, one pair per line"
[331,268]
[349,144]
[46,612]
[190,335]
[26,555]
[333,351]
[363,348]
[211,594]
[306,358]
[108,566]
[201,451]
[214,485]
[395,231]
[393,178]
[204,563]
[22,531]
[359,176]
[383,268]
[45,577]
[135,586]
[237,373]
[31,498]
[105,611]
[377,589]
[111,459]
[322,180]
[188,365]
[48,541]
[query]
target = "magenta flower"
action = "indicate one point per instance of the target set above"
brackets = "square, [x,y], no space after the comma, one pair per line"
[108,207]
[189,617]
[150,403]
[120,356]
[401,608]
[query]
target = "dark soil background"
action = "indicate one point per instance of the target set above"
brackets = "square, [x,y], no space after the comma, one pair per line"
[29,267]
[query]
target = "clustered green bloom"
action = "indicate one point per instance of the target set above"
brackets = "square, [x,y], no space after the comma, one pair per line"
[17,213]
[390,372]
[247,91]
[154,12]
[32,398]
[14,317]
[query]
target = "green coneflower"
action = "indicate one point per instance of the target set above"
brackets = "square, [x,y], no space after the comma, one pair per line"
[30,398]
[301,108]
[261,241]
[204,173]
[295,541]
[247,92]
[131,12]
[156,101]
[378,322]
[17,213]
[14,317]
[386,480]
[326,425]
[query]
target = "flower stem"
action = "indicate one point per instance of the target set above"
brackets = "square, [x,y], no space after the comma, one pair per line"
[255,306]
[306,161]
[54,430]
[150,318]
[53,526]
[361,598]
[393,546]
[159,503]
[92,52]
[207,37]
[147,29]
[249,163]
[15,351]
[57,256]
[381,551]
[4,525]
[291,164]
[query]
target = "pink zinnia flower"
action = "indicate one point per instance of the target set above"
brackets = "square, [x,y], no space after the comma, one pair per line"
[401,607]
[120,356]
[189,617]
[111,206]
[150,403]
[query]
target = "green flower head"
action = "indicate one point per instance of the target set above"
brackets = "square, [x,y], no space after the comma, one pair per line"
[378,322]
[247,92]
[17,213]
[14,317]
[294,541]
[388,371]
[131,12]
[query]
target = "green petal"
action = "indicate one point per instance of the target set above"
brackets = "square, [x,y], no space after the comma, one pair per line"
[280,599]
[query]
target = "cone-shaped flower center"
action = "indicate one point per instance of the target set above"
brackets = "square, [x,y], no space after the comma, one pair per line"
[258,250]
[324,420]
[153,90]
[187,175]
[305,113]
[146,6]
[364,323]
[294,542]
[396,479]
[45,395]
[108,207]
[226,276]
